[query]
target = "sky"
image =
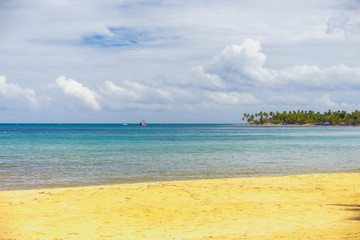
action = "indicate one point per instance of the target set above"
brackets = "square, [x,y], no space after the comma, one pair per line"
[172,61]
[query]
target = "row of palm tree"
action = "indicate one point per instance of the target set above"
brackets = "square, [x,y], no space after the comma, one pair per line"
[304,117]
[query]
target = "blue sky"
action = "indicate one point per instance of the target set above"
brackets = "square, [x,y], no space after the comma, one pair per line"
[176,61]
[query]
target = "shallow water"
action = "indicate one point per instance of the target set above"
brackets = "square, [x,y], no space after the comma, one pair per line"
[53,155]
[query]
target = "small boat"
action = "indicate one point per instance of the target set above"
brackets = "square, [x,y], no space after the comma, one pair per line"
[143,123]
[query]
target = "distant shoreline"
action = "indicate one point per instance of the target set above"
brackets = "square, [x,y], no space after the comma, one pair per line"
[298,125]
[305,118]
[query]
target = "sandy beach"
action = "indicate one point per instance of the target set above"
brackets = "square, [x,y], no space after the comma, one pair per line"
[321,206]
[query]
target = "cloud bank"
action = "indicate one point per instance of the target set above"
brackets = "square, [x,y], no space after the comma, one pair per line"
[77,93]
[199,59]
[235,77]
[242,67]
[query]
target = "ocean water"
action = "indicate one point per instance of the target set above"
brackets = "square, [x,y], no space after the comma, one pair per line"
[55,155]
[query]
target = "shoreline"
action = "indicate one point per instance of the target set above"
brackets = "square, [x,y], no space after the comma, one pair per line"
[317,206]
[89,185]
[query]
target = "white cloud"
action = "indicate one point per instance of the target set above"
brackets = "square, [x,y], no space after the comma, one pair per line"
[241,64]
[120,93]
[201,79]
[13,97]
[133,94]
[83,96]
[242,67]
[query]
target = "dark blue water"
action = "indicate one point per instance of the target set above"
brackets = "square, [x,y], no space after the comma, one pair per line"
[52,155]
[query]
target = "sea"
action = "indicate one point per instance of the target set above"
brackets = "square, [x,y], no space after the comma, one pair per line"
[34,156]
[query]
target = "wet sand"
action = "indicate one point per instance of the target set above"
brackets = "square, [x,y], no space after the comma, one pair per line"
[322,206]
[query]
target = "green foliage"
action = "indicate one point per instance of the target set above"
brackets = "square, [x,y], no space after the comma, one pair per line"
[305,117]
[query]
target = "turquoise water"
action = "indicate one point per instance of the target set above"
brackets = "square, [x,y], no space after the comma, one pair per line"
[53,155]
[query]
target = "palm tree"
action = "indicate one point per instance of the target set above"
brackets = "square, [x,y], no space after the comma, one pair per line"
[300,117]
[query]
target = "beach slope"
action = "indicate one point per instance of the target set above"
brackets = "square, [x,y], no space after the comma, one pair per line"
[320,206]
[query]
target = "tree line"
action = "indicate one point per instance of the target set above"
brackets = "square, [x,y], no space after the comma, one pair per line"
[304,117]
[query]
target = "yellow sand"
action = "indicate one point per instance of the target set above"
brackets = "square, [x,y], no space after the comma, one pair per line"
[324,206]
